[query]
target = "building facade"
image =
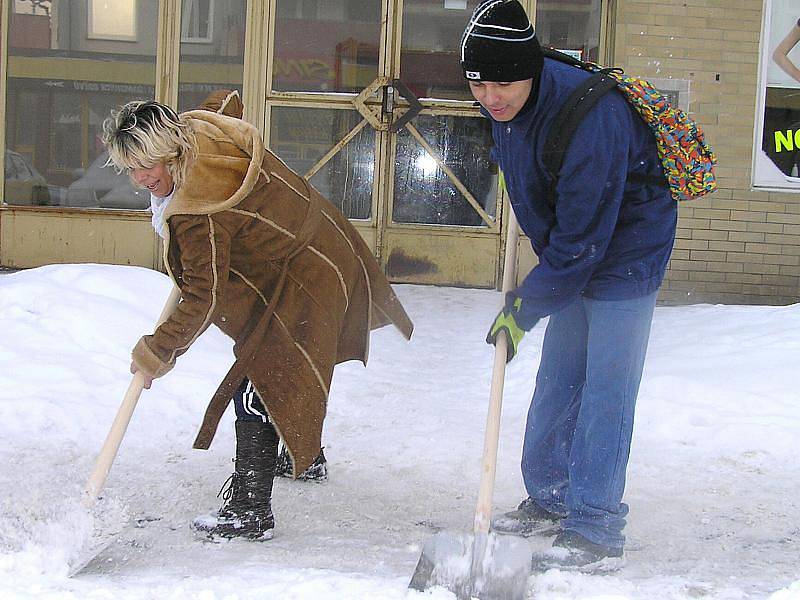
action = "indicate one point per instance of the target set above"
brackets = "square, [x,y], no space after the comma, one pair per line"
[366,99]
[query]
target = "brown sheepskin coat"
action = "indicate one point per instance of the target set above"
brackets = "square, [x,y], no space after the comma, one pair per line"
[259,253]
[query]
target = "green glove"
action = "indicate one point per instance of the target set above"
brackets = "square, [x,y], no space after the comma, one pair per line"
[506,320]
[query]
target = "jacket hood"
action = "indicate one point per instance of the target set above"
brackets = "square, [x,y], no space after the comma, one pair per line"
[226,102]
[227,168]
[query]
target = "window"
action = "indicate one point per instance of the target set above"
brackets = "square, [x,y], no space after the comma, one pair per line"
[197,21]
[571,25]
[429,55]
[61,84]
[212,49]
[329,46]
[112,20]
[32,7]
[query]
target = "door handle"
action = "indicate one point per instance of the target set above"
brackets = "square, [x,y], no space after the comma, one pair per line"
[379,116]
[414,108]
[388,100]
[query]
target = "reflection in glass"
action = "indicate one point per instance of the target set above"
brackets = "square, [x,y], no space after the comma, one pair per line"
[197,21]
[53,120]
[24,184]
[326,45]
[212,49]
[423,191]
[430,60]
[111,21]
[302,136]
[570,25]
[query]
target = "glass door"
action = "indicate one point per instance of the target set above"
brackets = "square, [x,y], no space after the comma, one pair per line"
[324,97]
[443,200]
[367,101]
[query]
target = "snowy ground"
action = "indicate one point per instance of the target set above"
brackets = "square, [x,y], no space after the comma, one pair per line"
[712,483]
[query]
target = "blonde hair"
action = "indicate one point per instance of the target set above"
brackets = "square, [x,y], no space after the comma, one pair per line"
[142,134]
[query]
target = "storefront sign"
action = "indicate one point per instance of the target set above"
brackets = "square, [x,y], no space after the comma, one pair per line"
[776,163]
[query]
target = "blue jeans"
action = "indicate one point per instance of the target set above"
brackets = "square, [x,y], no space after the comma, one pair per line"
[580,422]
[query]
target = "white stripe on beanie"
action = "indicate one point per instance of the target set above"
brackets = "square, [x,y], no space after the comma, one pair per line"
[474,22]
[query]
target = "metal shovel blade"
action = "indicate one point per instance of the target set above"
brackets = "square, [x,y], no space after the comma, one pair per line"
[105,521]
[89,551]
[448,560]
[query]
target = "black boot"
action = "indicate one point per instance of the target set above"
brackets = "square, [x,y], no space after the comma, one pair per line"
[247,493]
[318,471]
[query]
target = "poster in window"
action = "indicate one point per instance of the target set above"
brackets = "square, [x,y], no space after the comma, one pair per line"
[777,144]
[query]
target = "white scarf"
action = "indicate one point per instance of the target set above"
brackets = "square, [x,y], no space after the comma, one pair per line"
[158,206]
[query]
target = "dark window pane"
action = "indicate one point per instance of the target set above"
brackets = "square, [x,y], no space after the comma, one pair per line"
[329,46]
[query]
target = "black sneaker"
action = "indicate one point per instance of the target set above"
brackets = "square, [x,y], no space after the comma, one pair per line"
[573,552]
[318,471]
[528,519]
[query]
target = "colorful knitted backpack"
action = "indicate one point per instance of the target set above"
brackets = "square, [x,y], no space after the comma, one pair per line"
[687,159]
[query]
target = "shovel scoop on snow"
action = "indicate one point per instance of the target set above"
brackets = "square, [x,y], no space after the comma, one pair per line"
[485,565]
[102,538]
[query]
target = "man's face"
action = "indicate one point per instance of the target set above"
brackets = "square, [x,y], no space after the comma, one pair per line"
[502,100]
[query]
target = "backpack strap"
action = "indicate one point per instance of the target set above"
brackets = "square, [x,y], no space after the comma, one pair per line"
[648,179]
[577,105]
[568,59]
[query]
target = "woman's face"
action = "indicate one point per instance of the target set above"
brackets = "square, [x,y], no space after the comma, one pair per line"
[156,179]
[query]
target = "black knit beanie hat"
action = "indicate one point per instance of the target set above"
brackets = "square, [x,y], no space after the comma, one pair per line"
[499,44]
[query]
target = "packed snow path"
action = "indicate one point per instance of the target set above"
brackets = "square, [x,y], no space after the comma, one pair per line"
[712,482]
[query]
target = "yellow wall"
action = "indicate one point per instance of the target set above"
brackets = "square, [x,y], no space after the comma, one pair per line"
[75,237]
[737,245]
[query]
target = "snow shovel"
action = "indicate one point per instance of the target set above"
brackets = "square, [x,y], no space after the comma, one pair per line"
[485,565]
[108,452]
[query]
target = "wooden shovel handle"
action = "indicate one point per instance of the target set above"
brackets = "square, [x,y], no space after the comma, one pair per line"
[483,512]
[108,452]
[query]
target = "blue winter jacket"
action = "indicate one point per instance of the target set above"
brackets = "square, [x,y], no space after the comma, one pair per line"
[609,239]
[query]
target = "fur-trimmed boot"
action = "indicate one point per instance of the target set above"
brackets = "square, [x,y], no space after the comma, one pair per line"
[247,512]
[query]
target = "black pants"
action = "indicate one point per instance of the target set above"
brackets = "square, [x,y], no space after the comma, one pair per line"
[247,403]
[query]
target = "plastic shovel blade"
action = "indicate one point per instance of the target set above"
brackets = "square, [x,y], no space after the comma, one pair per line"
[501,574]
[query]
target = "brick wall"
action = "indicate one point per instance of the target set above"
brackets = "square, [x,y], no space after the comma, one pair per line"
[735,246]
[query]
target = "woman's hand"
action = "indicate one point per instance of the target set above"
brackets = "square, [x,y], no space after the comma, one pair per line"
[148,381]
